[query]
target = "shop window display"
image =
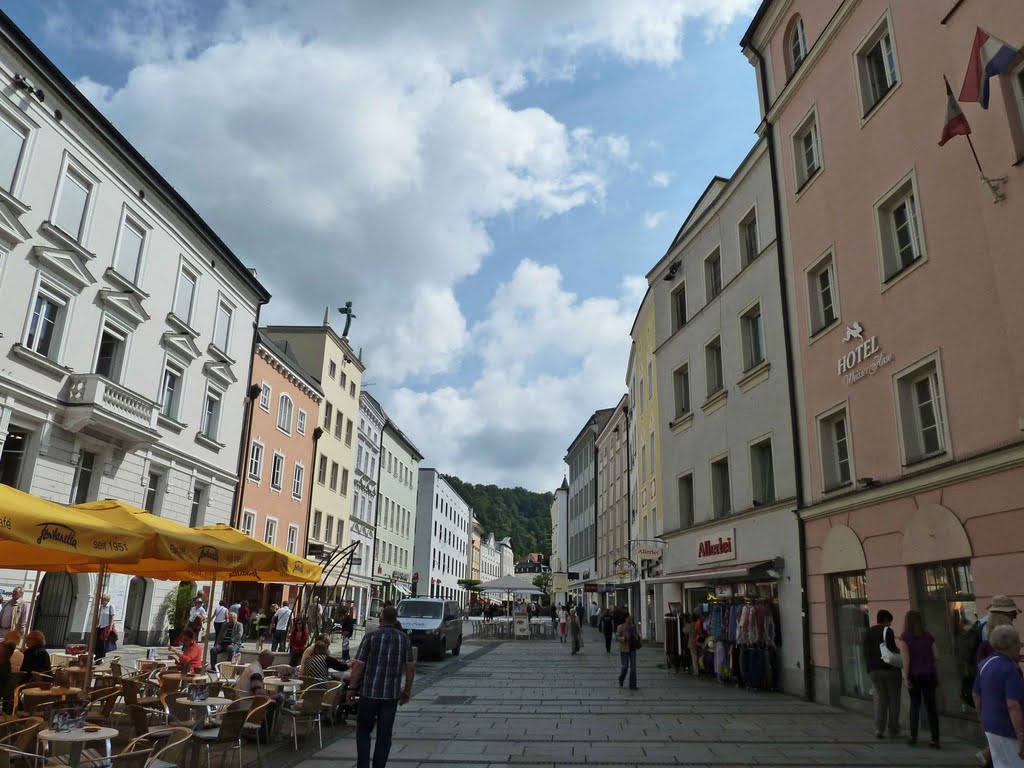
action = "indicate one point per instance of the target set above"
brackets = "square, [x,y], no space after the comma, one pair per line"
[945,597]
[850,609]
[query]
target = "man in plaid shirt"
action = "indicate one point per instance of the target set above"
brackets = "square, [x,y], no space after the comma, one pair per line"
[379,663]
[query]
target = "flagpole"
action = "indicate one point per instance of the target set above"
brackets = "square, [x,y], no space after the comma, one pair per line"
[992,184]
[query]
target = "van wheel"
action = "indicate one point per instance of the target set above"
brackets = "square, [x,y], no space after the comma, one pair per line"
[444,647]
[458,647]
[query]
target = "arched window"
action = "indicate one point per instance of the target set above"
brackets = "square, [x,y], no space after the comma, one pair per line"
[284,413]
[797,44]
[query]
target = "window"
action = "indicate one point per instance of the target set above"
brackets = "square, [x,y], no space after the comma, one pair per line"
[348,431]
[344,481]
[807,151]
[317,517]
[329,529]
[196,512]
[284,414]
[12,145]
[211,414]
[643,463]
[834,436]
[111,353]
[277,472]
[797,45]
[12,457]
[249,523]
[130,245]
[222,326]
[46,326]
[185,293]
[343,380]
[641,397]
[900,228]
[270,531]
[170,389]
[749,247]
[876,68]
[352,389]
[328,413]
[256,461]
[922,415]
[762,473]
[821,291]
[713,366]
[339,419]
[685,485]
[713,274]
[334,475]
[81,488]
[850,606]
[332,369]
[265,396]
[300,422]
[339,536]
[753,337]
[152,493]
[73,203]
[293,538]
[721,500]
[321,475]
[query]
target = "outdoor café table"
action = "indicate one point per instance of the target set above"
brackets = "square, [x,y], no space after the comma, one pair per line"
[148,665]
[204,707]
[77,737]
[185,678]
[285,685]
[60,693]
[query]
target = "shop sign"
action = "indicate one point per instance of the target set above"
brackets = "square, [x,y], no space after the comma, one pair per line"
[718,545]
[559,582]
[401,576]
[723,591]
[864,359]
[625,568]
[609,587]
[649,552]
[590,587]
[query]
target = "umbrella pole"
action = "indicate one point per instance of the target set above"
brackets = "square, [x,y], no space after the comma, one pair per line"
[32,607]
[209,617]
[93,629]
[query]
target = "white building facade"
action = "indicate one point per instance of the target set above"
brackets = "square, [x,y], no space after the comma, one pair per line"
[507,557]
[490,559]
[396,516]
[727,453]
[614,531]
[443,522]
[362,518]
[559,527]
[582,506]
[126,329]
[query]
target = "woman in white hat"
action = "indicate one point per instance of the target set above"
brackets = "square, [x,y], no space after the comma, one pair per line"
[1001,613]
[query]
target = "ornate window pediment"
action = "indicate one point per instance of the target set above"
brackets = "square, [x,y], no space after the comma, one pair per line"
[182,344]
[220,372]
[126,305]
[66,264]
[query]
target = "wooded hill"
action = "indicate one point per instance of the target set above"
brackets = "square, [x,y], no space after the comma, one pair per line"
[523,515]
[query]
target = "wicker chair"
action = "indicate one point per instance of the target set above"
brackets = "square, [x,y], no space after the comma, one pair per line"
[20,733]
[178,714]
[169,754]
[330,704]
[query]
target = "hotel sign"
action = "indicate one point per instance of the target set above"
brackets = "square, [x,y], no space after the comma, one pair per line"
[864,359]
[716,546]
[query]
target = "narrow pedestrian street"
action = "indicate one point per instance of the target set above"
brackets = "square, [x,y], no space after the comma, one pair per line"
[532,702]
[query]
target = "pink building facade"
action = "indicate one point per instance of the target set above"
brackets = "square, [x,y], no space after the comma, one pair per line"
[275,499]
[904,276]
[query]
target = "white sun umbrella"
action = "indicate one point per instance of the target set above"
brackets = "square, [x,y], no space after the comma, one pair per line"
[510,584]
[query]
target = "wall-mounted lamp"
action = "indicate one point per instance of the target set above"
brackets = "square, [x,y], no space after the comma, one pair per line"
[673,268]
[22,84]
[867,482]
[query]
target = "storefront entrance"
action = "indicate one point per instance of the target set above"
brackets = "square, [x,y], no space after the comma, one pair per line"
[945,597]
[56,597]
[133,632]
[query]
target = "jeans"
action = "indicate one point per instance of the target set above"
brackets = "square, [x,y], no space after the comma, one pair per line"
[607,642]
[280,640]
[218,648]
[379,712]
[628,664]
[922,689]
[888,686]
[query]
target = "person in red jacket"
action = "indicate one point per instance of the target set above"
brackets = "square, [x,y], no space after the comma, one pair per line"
[297,642]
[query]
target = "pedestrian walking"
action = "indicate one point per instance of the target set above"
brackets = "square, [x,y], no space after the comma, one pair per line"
[629,641]
[998,695]
[563,623]
[383,659]
[607,626]
[297,642]
[220,617]
[279,626]
[919,652]
[105,625]
[13,614]
[576,630]
[348,627]
[884,671]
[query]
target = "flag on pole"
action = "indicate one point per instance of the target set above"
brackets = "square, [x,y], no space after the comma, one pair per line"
[990,56]
[956,122]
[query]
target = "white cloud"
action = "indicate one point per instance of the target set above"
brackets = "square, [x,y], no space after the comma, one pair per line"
[654,218]
[661,178]
[352,152]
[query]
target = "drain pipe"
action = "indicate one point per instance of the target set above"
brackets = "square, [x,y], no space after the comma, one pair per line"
[794,418]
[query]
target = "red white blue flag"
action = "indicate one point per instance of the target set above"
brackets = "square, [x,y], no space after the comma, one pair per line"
[990,56]
[956,122]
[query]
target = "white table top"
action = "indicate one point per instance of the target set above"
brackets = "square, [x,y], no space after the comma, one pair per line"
[277,682]
[213,701]
[78,734]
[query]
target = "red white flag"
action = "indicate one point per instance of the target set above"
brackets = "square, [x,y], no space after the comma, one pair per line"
[956,122]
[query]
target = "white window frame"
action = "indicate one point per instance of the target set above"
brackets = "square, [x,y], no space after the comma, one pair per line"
[828,460]
[129,218]
[266,391]
[677,292]
[682,373]
[64,298]
[254,470]
[798,33]
[270,530]
[27,129]
[869,102]
[298,480]
[277,464]
[750,217]
[223,301]
[716,253]
[909,426]
[182,371]
[300,422]
[728,507]
[756,445]
[249,522]
[72,165]
[815,308]
[185,266]
[746,339]
[332,369]
[709,393]
[203,426]
[292,540]
[803,175]
[891,268]
[285,399]
[116,329]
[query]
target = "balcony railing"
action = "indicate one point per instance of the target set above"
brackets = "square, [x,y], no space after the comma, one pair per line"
[97,404]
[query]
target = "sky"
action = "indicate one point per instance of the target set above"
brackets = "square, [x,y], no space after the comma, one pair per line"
[488,183]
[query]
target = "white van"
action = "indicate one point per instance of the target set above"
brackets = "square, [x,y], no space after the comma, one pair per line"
[434,625]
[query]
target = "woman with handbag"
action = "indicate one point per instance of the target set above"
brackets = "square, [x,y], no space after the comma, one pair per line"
[919,652]
[629,641]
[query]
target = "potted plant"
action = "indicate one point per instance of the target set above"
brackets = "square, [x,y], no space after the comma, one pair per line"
[176,607]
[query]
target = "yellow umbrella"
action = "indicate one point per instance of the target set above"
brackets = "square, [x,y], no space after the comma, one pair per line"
[43,535]
[286,568]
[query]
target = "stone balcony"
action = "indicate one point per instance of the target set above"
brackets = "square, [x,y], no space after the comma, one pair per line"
[102,408]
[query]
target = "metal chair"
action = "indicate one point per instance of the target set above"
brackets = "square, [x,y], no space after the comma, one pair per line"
[178,714]
[307,710]
[169,755]
[254,723]
[330,703]
[227,734]
[20,733]
[101,704]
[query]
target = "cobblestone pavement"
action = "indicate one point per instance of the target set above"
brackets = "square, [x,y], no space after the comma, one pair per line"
[534,703]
